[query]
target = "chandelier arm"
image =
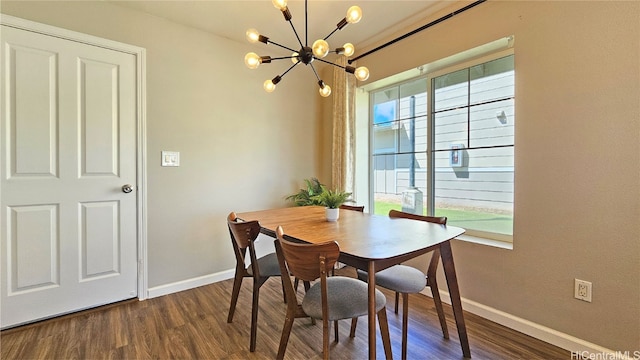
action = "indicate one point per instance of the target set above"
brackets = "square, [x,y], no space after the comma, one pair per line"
[330,63]
[295,32]
[282,46]
[289,69]
[331,33]
[315,72]
[283,57]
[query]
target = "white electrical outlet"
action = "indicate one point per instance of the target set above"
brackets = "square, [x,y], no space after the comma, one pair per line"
[582,290]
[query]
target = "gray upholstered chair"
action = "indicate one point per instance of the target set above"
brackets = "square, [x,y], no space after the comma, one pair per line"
[331,299]
[407,280]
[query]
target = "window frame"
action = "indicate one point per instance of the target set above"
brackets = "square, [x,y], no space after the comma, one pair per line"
[428,76]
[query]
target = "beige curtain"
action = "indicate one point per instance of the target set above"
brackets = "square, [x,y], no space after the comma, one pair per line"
[343,148]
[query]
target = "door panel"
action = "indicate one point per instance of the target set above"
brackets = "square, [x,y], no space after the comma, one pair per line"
[33,248]
[68,133]
[100,240]
[99,118]
[33,116]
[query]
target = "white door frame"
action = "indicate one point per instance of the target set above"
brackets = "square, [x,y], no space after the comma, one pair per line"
[141,120]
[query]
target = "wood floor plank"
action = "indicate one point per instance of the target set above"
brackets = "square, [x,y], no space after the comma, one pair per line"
[192,325]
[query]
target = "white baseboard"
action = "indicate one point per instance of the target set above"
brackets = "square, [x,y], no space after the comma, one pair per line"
[577,347]
[189,283]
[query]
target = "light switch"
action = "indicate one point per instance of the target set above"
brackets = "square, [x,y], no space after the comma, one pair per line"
[170,158]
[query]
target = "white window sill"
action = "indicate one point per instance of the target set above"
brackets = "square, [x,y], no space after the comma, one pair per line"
[485,241]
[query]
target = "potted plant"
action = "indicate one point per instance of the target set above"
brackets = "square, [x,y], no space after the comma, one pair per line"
[331,200]
[305,197]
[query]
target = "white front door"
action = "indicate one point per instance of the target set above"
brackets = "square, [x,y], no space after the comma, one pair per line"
[68,145]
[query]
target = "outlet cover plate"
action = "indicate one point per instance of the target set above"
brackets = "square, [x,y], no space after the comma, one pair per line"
[170,158]
[582,290]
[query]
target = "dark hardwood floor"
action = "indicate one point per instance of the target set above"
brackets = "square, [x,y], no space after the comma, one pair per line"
[192,325]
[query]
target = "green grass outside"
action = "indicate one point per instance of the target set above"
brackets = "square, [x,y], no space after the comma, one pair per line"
[482,221]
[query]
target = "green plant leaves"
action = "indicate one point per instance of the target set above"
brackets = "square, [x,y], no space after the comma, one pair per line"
[316,193]
[332,198]
[305,197]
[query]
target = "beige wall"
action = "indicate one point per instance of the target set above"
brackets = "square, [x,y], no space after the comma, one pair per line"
[241,149]
[577,154]
[577,183]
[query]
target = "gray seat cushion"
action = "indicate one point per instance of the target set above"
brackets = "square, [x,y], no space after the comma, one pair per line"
[268,265]
[399,278]
[347,298]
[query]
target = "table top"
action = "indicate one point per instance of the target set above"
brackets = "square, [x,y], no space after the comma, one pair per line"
[360,235]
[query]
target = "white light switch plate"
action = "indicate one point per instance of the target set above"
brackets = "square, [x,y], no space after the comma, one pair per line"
[170,158]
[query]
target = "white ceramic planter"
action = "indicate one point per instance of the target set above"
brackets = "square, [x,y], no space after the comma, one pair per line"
[332,214]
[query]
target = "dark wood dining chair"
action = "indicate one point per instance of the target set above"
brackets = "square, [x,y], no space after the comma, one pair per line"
[407,280]
[331,299]
[352,207]
[243,236]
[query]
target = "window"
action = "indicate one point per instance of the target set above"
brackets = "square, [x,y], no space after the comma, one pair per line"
[399,144]
[443,144]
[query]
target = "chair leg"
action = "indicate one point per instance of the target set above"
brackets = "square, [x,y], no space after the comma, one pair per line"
[433,284]
[307,286]
[237,282]
[284,296]
[354,323]
[296,281]
[335,326]
[384,332]
[431,281]
[254,316]
[284,338]
[397,301]
[325,339]
[405,320]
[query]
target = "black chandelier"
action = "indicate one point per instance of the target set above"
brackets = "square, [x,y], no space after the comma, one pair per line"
[306,55]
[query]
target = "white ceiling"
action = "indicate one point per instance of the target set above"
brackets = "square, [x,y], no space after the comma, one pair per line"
[231,19]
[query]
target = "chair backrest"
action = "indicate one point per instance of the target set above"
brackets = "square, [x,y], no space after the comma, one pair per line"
[307,262]
[353,207]
[442,220]
[243,234]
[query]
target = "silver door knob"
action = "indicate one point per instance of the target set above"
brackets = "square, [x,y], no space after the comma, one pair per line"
[127,188]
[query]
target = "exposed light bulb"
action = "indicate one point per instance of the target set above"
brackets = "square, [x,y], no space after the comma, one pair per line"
[253,35]
[294,57]
[354,14]
[280,4]
[362,73]
[325,90]
[252,60]
[320,48]
[349,49]
[269,86]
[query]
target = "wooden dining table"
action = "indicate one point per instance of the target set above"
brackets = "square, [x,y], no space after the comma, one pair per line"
[371,243]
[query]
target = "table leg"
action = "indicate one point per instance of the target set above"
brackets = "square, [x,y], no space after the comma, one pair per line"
[372,310]
[452,282]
